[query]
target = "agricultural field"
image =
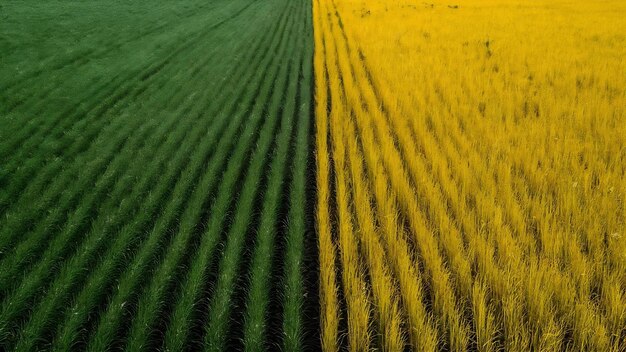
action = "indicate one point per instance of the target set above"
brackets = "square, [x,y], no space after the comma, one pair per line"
[155,171]
[471,174]
[304,175]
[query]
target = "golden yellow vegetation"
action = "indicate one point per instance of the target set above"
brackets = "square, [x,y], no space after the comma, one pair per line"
[471,173]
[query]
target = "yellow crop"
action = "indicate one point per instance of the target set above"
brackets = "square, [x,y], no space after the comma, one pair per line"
[471,164]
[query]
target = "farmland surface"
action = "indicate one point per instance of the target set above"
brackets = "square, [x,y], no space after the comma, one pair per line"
[471,174]
[293,175]
[153,175]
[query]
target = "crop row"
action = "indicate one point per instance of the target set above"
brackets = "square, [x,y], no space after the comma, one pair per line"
[436,232]
[156,209]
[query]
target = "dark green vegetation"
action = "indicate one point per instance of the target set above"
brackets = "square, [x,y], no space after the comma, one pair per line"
[154,175]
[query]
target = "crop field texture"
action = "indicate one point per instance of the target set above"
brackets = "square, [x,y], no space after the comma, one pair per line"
[304,175]
[154,175]
[471,163]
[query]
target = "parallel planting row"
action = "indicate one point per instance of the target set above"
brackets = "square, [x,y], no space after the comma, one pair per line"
[359,175]
[154,183]
[471,165]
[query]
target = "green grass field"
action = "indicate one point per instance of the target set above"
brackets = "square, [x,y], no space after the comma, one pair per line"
[155,172]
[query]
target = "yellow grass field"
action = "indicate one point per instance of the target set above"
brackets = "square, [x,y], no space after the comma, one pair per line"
[471,174]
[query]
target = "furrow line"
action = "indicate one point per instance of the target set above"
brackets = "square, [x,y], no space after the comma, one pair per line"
[180,324]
